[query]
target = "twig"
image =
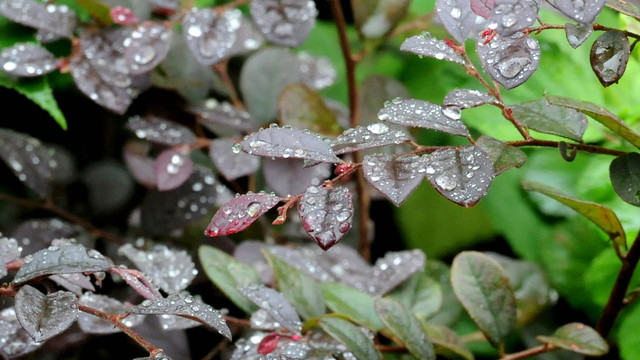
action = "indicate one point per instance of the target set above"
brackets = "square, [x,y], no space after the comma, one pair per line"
[233,320]
[617,297]
[221,68]
[49,206]
[530,352]
[594,149]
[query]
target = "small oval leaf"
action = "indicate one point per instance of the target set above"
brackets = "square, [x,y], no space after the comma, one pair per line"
[427,45]
[352,336]
[367,137]
[289,176]
[581,11]
[147,46]
[578,338]
[509,60]
[503,156]
[45,316]
[160,131]
[541,116]
[237,214]
[288,143]
[172,169]
[27,59]
[609,56]
[419,113]
[395,178]
[326,214]
[404,325]
[457,17]
[354,303]
[625,177]
[231,165]
[511,16]
[302,108]
[577,34]
[94,325]
[285,23]
[467,98]
[209,34]
[274,304]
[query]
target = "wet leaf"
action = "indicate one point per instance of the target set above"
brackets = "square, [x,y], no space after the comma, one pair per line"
[231,165]
[421,294]
[306,259]
[302,108]
[75,283]
[210,35]
[577,34]
[609,56]
[147,46]
[578,338]
[600,215]
[35,234]
[186,306]
[30,160]
[123,16]
[541,116]
[457,17]
[627,7]
[599,113]
[367,137]
[352,336]
[467,98]
[375,90]
[419,113]
[511,16]
[318,72]
[393,269]
[172,270]
[213,115]
[285,143]
[284,22]
[94,325]
[248,38]
[581,11]
[510,60]
[353,303]
[302,291]
[160,131]
[503,156]
[405,326]
[275,304]
[240,212]
[165,211]
[427,45]
[45,316]
[140,165]
[482,7]
[27,59]
[9,251]
[172,169]
[16,340]
[483,288]
[394,177]
[446,341]
[625,177]
[462,175]
[52,18]
[228,274]
[290,177]
[61,259]
[326,214]
[449,314]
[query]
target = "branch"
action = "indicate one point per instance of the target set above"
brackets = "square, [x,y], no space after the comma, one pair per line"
[594,149]
[530,352]
[221,67]
[617,297]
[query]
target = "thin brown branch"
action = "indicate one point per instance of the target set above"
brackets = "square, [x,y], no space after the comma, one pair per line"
[52,208]
[233,320]
[599,27]
[616,300]
[222,69]
[530,352]
[594,149]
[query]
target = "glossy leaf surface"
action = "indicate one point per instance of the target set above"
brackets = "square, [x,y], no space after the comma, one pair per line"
[510,60]
[349,334]
[27,59]
[213,115]
[484,290]
[210,35]
[367,137]
[275,304]
[94,325]
[403,324]
[419,113]
[55,19]
[625,177]
[147,46]
[579,338]
[581,11]
[577,34]
[427,45]
[627,7]
[45,316]
[457,17]
[395,177]
[511,16]
[421,294]
[541,116]
[482,7]
[160,131]
[609,56]
[290,177]
[240,212]
[326,214]
[140,165]
[231,165]
[503,156]
[352,302]
[446,341]
[284,22]
[172,169]
[467,98]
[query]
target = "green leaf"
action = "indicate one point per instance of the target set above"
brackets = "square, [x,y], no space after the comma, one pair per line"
[447,315]
[628,7]
[352,336]
[539,115]
[420,293]
[446,341]
[600,215]
[599,113]
[503,156]
[578,338]
[483,288]
[228,273]
[354,303]
[302,108]
[625,177]
[299,288]
[405,326]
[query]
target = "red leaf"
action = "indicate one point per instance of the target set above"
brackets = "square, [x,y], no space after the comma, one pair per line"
[239,213]
[269,343]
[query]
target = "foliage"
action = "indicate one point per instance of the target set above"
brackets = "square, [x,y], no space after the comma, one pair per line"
[315,129]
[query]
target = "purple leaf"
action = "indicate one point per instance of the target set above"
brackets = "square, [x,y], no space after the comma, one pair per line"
[187,306]
[94,325]
[123,16]
[16,340]
[140,165]
[45,316]
[35,234]
[160,131]
[306,259]
[393,269]
[290,177]
[27,59]
[287,143]
[462,175]
[541,116]
[172,169]
[318,72]
[165,211]
[510,16]
[457,17]
[366,137]
[239,213]
[326,214]
[52,18]
[74,282]
[147,46]
[577,34]
[427,45]
[510,60]
[30,160]
[482,7]
[219,117]
[284,22]
[609,56]
[466,98]
[232,165]
[210,35]
[580,10]
[248,38]
[395,177]
[418,113]
[275,305]
[9,251]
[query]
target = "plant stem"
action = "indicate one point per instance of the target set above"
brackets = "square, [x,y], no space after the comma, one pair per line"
[49,206]
[363,195]
[617,297]
[594,149]
[221,68]
[530,352]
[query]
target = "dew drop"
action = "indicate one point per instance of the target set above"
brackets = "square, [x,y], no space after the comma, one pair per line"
[253,208]
[378,128]
[144,55]
[511,67]
[446,182]
[456,13]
